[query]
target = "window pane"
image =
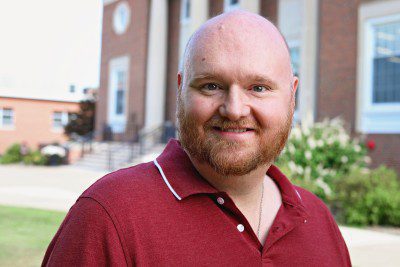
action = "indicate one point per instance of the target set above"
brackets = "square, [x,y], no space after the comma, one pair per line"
[386,63]
[120,93]
[7,116]
[187,9]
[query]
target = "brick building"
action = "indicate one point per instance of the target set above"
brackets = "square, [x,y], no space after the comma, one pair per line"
[346,53]
[33,121]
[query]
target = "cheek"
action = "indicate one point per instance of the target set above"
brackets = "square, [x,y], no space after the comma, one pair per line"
[200,108]
[272,114]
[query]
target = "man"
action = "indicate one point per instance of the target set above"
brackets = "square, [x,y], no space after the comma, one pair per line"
[214,198]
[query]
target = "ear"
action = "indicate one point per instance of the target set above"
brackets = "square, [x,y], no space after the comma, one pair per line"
[180,80]
[295,84]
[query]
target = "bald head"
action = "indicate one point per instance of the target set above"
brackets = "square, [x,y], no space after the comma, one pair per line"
[237,32]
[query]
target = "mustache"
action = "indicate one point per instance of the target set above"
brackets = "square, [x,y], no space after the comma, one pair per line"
[227,124]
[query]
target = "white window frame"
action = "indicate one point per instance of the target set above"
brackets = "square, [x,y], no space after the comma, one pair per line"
[117,121]
[228,7]
[379,118]
[7,126]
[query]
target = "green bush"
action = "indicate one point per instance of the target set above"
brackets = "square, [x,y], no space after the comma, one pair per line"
[35,158]
[12,155]
[368,198]
[316,155]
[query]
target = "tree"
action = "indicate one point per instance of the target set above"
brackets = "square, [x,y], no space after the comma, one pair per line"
[82,124]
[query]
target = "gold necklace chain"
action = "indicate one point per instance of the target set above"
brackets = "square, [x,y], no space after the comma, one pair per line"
[260,211]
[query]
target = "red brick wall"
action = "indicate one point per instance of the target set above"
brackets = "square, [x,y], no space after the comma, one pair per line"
[33,122]
[133,43]
[215,7]
[336,92]
[269,10]
[387,150]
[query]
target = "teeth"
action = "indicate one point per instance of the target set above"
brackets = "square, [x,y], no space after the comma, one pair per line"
[235,130]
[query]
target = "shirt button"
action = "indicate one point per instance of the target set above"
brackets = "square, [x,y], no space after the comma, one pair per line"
[220,200]
[240,227]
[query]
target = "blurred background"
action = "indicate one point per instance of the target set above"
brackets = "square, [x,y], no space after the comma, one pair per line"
[87,87]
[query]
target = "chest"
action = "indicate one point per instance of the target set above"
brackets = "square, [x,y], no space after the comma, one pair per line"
[210,235]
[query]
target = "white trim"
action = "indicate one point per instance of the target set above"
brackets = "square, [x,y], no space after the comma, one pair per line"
[378,118]
[165,180]
[298,194]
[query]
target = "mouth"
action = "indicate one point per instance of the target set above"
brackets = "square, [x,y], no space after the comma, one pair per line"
[233,130]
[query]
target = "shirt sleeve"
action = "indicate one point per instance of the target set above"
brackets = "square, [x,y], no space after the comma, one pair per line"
[87,237]
[344,252]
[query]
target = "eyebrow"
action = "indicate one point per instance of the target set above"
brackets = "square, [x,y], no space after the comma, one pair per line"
[254,78]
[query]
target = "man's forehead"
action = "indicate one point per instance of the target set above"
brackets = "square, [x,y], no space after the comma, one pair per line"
[236,33]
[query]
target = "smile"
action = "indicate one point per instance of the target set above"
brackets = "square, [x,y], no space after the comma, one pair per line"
[233,130]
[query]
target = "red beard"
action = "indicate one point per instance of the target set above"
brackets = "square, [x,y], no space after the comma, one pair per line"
[227,157]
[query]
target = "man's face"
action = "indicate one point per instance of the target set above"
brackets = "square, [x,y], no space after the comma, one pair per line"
[235,102]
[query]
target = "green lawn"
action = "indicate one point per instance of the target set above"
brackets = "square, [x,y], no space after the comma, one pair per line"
[25,234]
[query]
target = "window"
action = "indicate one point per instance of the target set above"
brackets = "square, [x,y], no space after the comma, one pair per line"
[6,117]
[378,109]
[60,119]
[120,93]
[57,120]
[185,11]
[386,63]
[230,5]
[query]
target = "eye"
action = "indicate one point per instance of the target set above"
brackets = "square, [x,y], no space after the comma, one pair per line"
[259,88]
[211,86]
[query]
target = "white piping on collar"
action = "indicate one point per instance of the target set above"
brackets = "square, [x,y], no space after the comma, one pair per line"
[165,180]
[298,194]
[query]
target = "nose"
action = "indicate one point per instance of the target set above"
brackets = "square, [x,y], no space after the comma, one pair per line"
[235,104]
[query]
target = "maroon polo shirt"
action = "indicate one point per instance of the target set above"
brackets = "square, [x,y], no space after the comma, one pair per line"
[163,213]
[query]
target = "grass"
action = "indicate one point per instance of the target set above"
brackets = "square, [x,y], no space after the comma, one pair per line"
[25,234]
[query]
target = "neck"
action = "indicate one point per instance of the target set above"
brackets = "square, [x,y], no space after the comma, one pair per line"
[242,189]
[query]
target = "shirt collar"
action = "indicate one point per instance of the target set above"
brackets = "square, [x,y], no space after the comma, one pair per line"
[183,180]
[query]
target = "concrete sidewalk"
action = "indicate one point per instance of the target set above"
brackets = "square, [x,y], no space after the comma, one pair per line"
[57,188]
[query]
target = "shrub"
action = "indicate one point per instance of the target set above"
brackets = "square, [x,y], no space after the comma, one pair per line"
[368,198]
[35,158]
[315,156]
[12,155]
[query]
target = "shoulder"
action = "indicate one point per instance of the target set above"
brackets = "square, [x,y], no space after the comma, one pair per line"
[313,204]
[134,191]
[133,182]
[87,237]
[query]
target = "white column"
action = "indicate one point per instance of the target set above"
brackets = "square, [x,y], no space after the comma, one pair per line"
[250,5]
[308,73]
[156,64]
[198,15]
